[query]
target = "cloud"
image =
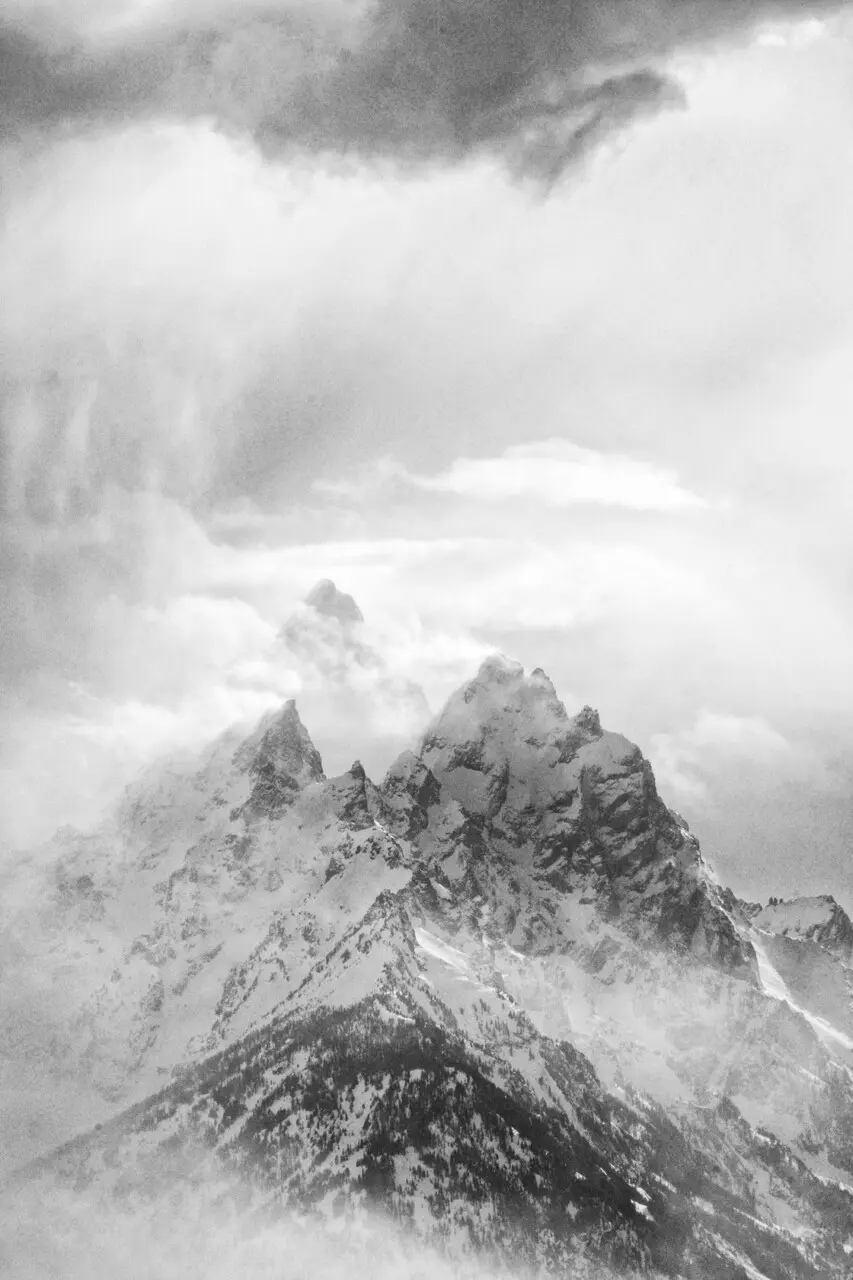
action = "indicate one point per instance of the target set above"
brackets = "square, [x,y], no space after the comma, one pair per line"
[415,79]
[101,22]
[687,763]
[49,1231]
[122,345]
[555,472]
[65,768]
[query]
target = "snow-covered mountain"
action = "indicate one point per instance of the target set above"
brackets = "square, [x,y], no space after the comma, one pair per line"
[498,995]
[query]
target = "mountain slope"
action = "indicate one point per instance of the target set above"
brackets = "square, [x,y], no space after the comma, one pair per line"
[483,1135]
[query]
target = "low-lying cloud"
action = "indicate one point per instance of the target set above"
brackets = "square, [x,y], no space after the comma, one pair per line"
[63,1236]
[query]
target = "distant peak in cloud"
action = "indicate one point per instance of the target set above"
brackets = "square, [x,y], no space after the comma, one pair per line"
[332,603]
[349,685]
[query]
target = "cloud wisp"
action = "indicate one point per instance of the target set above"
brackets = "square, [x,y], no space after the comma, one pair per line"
[555,472]
[687,761]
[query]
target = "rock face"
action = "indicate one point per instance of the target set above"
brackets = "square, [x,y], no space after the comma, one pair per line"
[578,807]
[499,996]
[409,791]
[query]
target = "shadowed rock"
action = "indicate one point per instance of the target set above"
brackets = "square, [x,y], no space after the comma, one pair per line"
[281,759]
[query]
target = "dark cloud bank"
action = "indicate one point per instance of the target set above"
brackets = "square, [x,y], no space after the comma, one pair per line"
[534,81]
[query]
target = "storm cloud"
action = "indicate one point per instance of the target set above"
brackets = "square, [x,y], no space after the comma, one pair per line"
[535,82]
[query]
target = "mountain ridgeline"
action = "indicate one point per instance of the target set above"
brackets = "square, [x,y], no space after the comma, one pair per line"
[497,998]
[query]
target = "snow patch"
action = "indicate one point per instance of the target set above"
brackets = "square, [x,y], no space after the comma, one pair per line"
[439,950]
[774,986]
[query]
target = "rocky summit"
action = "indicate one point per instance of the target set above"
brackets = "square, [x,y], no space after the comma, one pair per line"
[497,998]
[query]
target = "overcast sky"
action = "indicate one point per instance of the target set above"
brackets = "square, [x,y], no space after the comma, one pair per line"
[531,325]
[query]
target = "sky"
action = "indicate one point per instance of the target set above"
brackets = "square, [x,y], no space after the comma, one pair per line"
[529,325]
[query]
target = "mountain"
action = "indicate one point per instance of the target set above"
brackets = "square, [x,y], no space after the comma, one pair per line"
[497,998]
[818,920]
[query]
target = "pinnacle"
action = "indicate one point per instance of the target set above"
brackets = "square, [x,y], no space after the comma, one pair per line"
[588,718]
[280,756]
[326,599]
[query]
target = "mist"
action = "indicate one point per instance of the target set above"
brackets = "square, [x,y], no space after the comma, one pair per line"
[52,1232]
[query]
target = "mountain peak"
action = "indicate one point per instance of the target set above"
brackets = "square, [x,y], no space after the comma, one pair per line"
[492,730]
[502,692]
[325,597]
[589,720]
[497,668]
[281,759]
